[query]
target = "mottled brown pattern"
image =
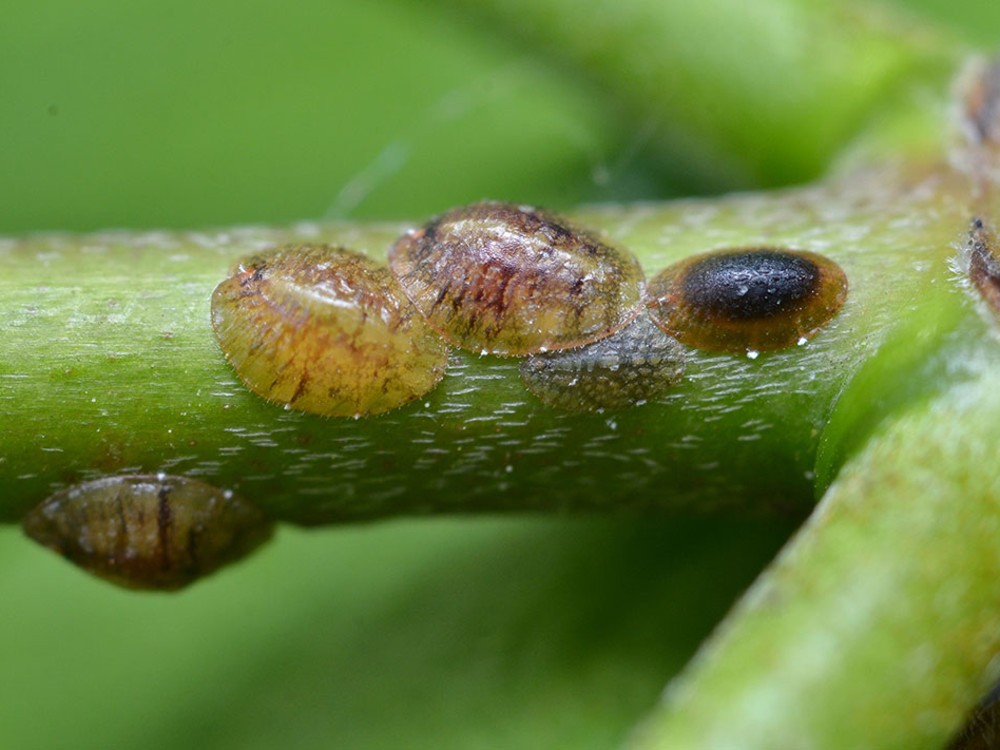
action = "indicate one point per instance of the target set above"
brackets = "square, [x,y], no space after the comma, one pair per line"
[747,299]
[631,366]
[982,728]
[327,331]
[984,266]
[148,532]
[512,280]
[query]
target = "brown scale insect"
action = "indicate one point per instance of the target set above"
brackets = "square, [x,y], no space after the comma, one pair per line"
[325,330]
[984,266]
[148,532]
[637,363]
[513,280]
[747,299]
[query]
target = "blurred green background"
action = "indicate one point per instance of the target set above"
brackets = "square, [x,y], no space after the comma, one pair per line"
[190,114]
[444,633]
[187,114]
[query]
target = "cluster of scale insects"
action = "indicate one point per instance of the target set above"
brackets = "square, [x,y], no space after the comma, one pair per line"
[326,330]
[329,331]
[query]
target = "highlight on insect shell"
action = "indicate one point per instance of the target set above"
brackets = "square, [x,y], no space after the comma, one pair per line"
[148,531]
[747,299]
[628,368]
[514,280]
[325,330]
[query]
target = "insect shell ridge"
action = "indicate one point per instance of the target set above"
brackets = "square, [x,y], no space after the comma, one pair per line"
[152,532]
[512,280]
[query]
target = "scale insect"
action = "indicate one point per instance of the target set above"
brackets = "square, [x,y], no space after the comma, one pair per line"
[325,330]
[148,531]
[497,278]
[983,263]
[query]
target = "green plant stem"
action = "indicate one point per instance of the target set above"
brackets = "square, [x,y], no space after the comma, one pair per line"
[110,366]
[876,625]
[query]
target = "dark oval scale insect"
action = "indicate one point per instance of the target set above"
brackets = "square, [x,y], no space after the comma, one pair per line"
[637,363]
[984,266]
[325,330]
[148,532]
[747,300]
[514,280]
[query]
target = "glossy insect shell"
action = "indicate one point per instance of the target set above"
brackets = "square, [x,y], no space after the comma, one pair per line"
[326,331]
[148,532]
[979,100]
[747,299]
[637,363]
[513,280]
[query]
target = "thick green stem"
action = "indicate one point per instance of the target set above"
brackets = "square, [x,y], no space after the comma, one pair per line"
[876,626]
[110,366]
